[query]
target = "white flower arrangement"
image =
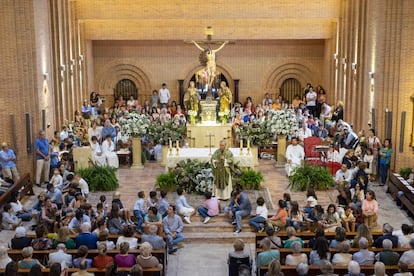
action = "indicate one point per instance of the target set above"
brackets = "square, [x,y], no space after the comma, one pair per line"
[192,113]
[283,122]
[134,124]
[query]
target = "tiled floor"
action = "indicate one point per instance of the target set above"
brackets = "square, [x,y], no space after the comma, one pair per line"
[210,259]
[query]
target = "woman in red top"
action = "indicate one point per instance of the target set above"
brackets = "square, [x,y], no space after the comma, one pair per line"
[279,219]
[102,260]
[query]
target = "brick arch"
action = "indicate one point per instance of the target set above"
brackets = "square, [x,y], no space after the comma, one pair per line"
[113,72]
[278,75]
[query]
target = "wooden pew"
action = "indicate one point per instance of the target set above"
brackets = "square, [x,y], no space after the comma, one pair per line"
[341,270]
[24,185]
[306,236]
[146,271]
[43,255]
[396,183]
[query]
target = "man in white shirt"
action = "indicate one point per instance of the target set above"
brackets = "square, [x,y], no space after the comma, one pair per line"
[60,256]
[64,134]
[311,101]
[343,175]
[164,94]
[304,132]
[294,156]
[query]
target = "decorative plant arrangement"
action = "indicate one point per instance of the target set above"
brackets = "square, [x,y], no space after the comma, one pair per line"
[310,176]
[257,133]
[405,173]
[100,178]
[164,133]
[282,122]
[134,124]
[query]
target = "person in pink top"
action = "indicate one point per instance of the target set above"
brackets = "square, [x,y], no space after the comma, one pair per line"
[370,209]
[210,207]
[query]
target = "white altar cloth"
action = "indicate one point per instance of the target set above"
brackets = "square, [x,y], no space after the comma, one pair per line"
[202,154]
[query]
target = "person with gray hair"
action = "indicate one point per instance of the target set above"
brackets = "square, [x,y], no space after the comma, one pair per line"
[4,257]
[302,269]
[20,239]
[354,269]
[343,257]
[83,266]
[152,238]
[387,229]
[387,256]
[268,255]
[364,256]
[327,268]
[408,256]
[86,237]
[296,257]
[379,269]
[60,256]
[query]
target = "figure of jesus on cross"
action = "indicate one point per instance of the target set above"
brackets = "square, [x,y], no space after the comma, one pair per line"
[210,55]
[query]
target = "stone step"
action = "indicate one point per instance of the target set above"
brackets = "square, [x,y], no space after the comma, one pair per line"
[212,226]
[219,237]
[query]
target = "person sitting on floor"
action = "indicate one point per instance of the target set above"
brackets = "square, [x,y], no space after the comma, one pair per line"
[257,222]
[280,218]
[238,208]
[210,207]
[183,208]
[9,221]
[173,227]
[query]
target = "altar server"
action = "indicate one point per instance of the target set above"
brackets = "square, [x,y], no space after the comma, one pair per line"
[294,156]
[109,150]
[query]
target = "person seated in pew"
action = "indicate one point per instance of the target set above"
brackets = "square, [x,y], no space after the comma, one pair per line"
[41,242]
[408,256]
[405,234]
[320,251]
[136,270]
[354,269]
[20,239]
[239,252]
[76,222]
[379,269]
[403,270]
[85,237]
[327,269]
[123,259]
[296,257]
[268,255]
[60,256]
[340,237]
[302,269]
[291,233]
[387,229]
[274,269]
[275,241]
[387,256]
[4,257]
[145,259]
[362,231]
[115,222]
[82,257]
[83,266]
[156,241]
[63,237]
[127,236]
[364,256]
[103,239]
[343,257]
[102,260]
[28,261]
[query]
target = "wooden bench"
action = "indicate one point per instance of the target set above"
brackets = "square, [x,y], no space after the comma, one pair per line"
[43,255]
[306,236]
[24,185]
[146,271]
[396,184]
[341,270]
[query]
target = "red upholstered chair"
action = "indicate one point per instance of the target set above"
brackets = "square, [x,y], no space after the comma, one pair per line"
[312,156]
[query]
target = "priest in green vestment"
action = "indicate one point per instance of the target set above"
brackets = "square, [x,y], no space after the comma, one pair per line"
[223,162]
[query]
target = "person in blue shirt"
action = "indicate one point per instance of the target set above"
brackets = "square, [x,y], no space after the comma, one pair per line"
[238,208]
[85,237]
[8,162]
[108,129]
[42,148]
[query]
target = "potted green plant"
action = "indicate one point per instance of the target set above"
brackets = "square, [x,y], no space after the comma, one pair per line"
[100,178]
[166,181]
[251,179]
[307,176]
[405,173]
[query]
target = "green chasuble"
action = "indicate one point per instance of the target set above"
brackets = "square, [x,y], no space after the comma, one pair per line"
[222,164]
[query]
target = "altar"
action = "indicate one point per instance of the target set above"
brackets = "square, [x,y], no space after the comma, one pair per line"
[199,135]
[202,154]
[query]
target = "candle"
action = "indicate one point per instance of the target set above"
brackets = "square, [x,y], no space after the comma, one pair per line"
[170,144]
[248,144]
[177,144]
[241,144]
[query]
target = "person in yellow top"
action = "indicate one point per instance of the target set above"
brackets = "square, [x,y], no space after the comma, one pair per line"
[296,101]
[276,105]
[225,97]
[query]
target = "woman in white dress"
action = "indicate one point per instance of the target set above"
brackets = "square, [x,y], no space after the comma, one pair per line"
[94,130]
[97,155]
[109,151]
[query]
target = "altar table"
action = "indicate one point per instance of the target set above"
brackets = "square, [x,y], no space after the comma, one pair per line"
[202,154]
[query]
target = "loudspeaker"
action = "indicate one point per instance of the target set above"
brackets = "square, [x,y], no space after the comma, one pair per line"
[403,117]
[388,126]
[28,134]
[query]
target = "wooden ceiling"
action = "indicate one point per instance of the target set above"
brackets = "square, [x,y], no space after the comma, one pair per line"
[186,20]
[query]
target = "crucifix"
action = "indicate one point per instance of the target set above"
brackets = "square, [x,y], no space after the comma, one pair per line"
[208,57]
[209,142]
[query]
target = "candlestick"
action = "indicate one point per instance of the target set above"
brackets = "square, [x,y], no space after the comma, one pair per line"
[248,144]
[177,144]
[241,144]
[170,144]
